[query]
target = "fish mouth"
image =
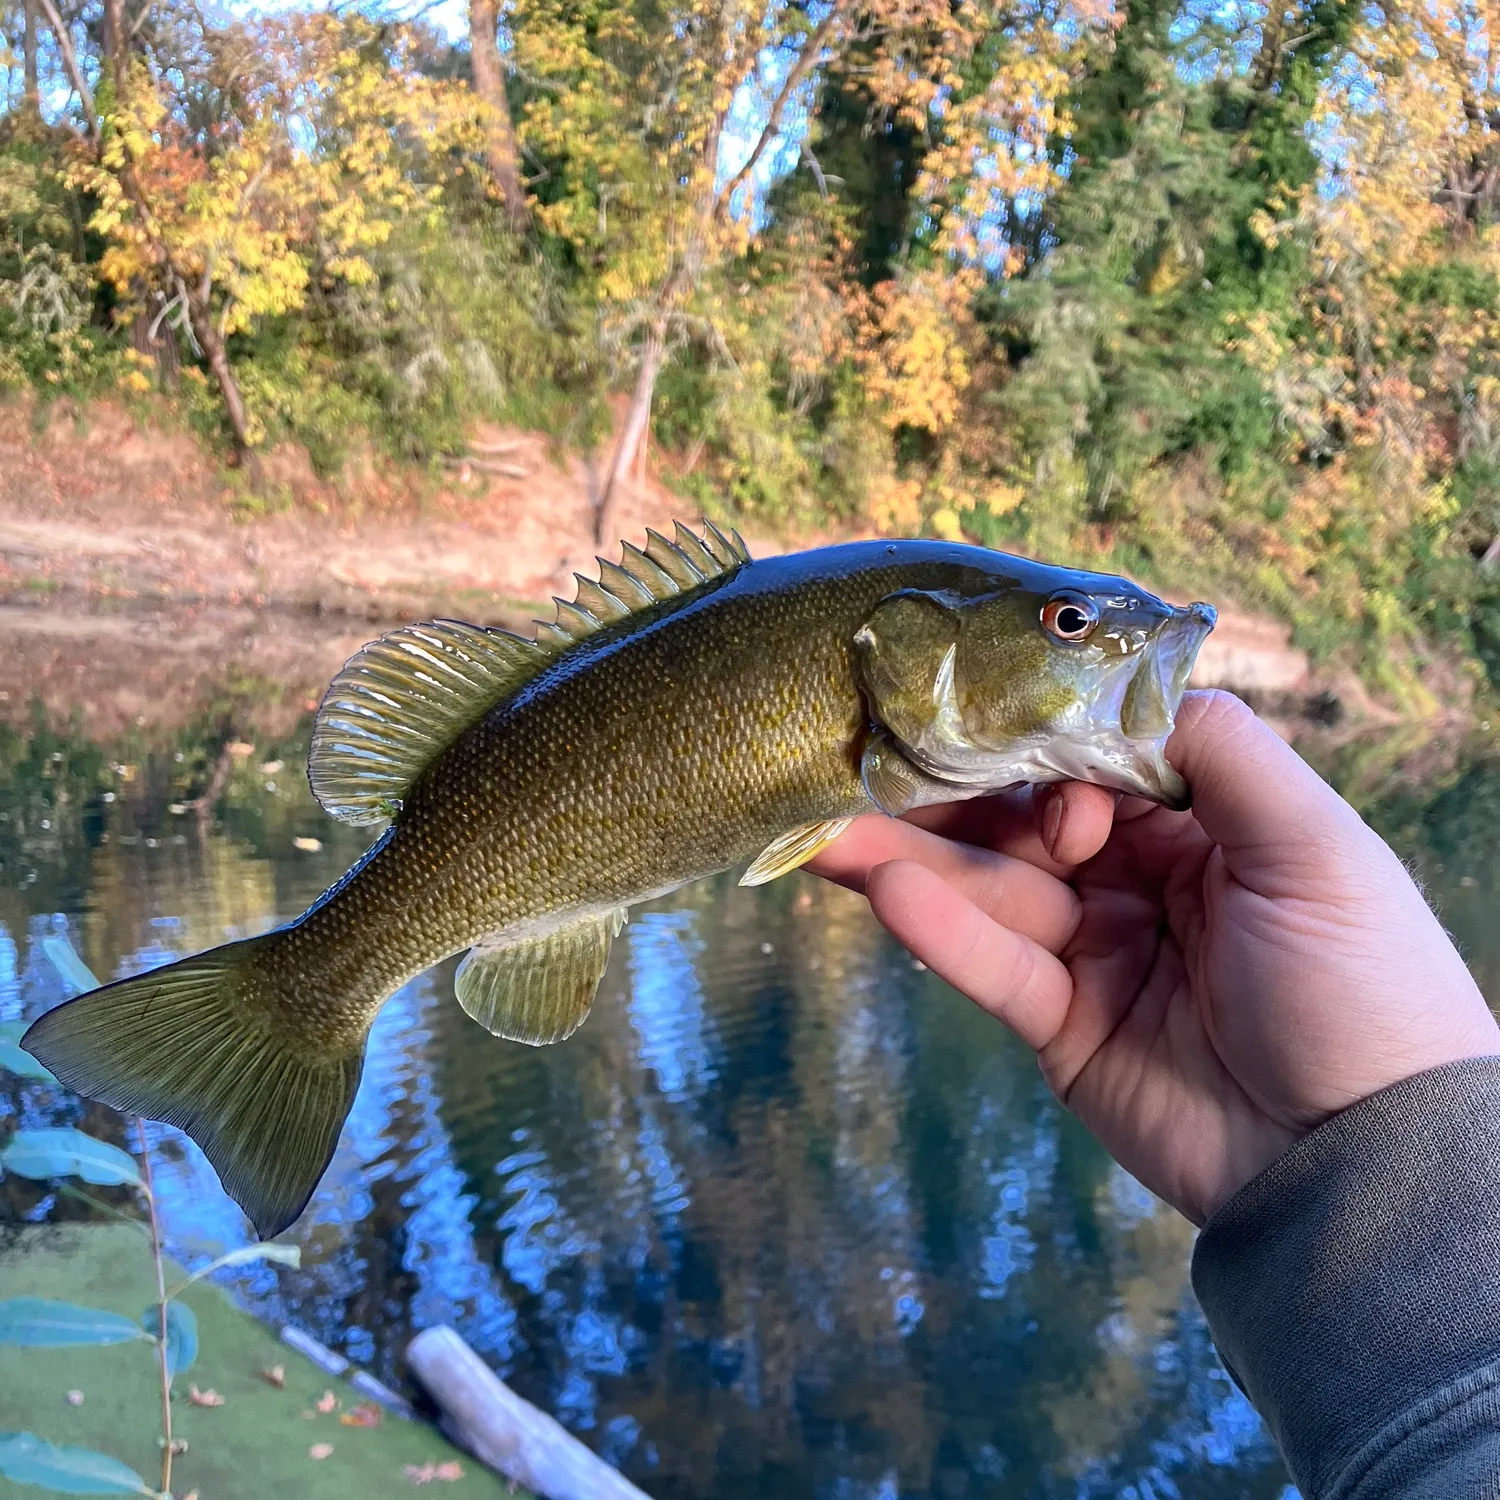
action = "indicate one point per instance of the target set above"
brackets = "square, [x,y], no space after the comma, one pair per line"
[1148,708]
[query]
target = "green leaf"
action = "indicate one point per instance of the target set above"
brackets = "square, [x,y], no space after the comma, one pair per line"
[28,1459]
[39,1323]
[68,1153]
[285,1255]
[14,1058]
[182,1334]
[75,973]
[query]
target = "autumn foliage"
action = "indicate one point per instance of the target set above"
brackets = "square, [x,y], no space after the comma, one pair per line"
[1209,295]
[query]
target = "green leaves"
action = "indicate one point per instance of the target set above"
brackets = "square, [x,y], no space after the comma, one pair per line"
[182,1334]
[15,1059]
[68,1153]
[283,1255]
[28,1459]
[64,958]
[39,1323]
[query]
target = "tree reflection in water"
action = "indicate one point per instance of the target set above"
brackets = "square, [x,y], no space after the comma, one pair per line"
[786,1218]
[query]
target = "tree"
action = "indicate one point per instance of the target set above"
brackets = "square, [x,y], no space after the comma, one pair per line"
[215,216]
[634,109]
[501,149]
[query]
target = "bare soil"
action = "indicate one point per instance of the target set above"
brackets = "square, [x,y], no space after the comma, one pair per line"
[135,571]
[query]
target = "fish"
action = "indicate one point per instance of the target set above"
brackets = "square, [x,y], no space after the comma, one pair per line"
[688,712]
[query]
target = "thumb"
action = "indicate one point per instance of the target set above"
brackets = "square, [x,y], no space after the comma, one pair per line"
[1251,791]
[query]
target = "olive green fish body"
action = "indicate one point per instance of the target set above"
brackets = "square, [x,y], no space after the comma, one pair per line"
[649,756]
[735,708]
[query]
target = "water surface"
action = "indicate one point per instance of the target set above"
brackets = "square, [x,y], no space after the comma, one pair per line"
[786,1218]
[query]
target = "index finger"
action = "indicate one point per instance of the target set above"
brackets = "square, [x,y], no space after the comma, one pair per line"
[1053,828]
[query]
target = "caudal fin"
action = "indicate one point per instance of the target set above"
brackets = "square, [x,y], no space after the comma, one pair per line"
[193,1044]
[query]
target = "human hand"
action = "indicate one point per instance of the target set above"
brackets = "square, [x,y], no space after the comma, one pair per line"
[1201,988]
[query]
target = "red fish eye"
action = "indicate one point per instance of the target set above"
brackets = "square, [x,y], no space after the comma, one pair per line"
[1070,617]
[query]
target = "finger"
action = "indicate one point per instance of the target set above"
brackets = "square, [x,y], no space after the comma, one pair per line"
[1012,891]
[1251,790]
[1002,971]
[1017,823]
[1073,822]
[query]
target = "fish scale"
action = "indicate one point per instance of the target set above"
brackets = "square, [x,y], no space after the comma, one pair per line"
[688,713]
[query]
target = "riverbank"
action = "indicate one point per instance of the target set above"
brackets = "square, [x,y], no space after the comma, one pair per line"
[100,517]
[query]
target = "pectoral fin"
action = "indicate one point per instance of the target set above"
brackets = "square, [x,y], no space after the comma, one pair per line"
[538,991]
[783,855]
[894,785]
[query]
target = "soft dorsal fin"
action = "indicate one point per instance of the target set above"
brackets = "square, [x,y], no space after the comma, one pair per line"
[401,700]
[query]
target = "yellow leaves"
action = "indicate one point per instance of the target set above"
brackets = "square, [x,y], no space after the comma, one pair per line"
[1394,119]
[917,355]
[250,219]
[895,506]
[944,523]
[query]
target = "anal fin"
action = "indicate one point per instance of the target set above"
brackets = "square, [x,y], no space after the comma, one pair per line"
[538,990]
[782,856]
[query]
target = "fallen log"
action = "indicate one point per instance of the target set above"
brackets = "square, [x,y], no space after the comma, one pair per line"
[484,1416]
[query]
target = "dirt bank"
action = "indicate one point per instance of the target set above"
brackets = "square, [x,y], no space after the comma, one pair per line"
[100,516]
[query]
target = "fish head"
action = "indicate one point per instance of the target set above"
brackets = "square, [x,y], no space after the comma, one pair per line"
[1051,674]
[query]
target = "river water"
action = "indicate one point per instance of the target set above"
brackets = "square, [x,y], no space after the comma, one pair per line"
[787,1218]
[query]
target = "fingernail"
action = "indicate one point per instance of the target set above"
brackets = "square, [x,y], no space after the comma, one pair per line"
[1052,821]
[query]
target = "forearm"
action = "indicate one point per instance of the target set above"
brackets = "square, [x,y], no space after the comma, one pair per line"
[1353,1290]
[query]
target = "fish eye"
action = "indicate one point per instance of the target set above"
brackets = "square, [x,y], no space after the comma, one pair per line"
[1070,617]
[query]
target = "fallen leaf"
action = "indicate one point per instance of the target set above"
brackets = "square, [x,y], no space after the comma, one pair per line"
[209,1397]
[320,1450]
[426,1473]
[326,1402]
[366,1414]
[274,1375]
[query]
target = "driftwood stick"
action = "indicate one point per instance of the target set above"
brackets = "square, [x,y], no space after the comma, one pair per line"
[483,1415]
[489,466]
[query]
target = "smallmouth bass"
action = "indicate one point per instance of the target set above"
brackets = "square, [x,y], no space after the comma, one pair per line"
[688,712]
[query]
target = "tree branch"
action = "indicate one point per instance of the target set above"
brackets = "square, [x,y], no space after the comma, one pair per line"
[806,60]
[70,64]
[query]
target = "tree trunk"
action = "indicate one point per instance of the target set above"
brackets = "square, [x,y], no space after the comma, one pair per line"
[33,94]
[637,419]
[218,364]
[116,43]
[501,151]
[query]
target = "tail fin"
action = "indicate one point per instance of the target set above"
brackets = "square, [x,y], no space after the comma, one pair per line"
[194,1044]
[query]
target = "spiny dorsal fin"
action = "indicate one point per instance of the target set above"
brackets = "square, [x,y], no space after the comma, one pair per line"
[403,699]
[643,579]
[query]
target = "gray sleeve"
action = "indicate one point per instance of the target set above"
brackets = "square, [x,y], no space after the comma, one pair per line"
[1353,1290]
